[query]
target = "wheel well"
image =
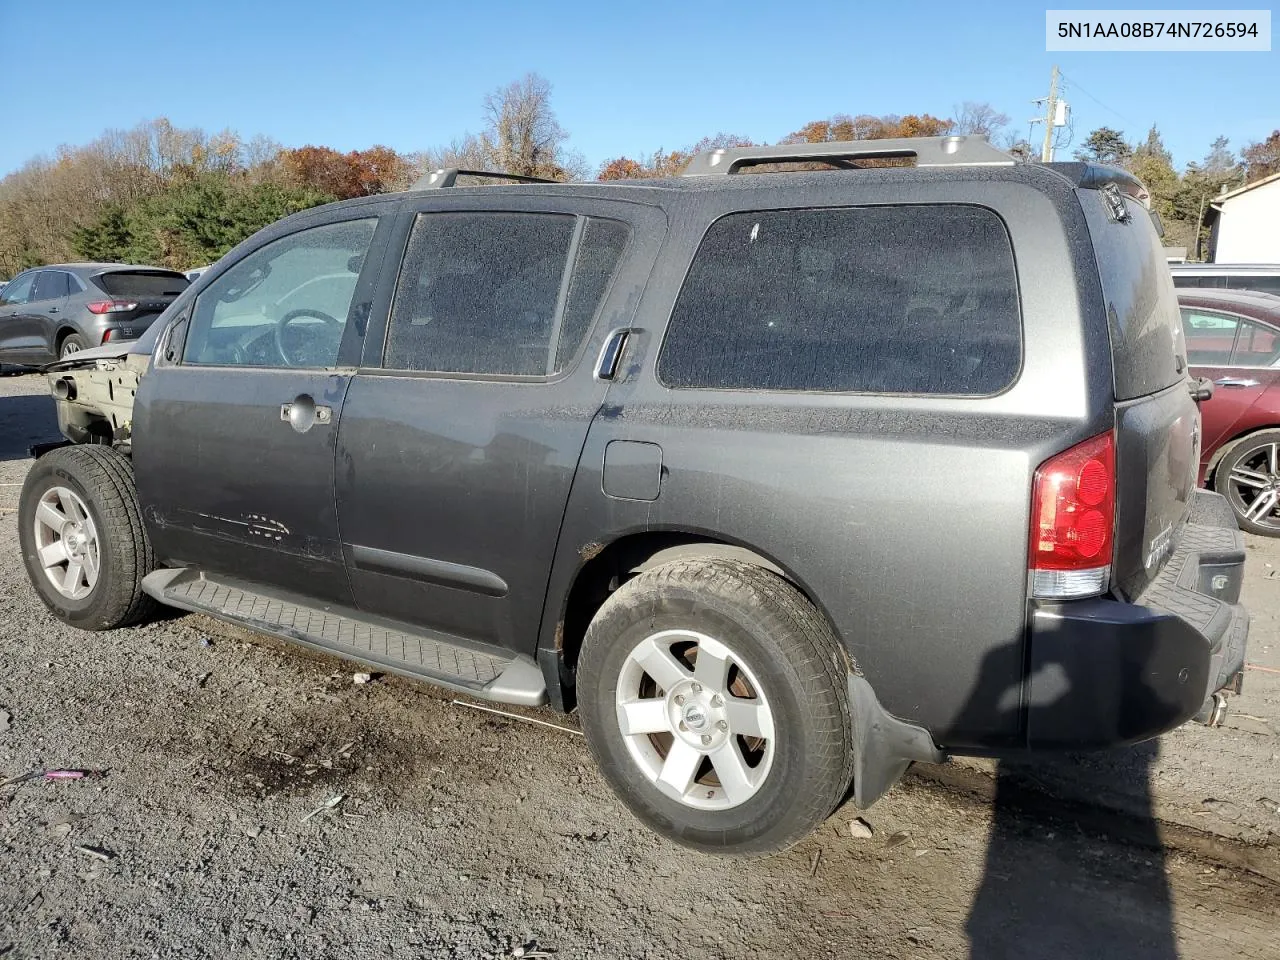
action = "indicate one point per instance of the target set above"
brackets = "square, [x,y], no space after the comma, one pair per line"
[62,334]
[612,565]
[1225,448]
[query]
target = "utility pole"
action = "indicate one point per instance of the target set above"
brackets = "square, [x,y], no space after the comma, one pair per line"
[1051,110]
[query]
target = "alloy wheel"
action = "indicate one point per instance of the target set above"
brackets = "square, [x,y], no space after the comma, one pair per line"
[66,539]
[1254,485]
[695,720]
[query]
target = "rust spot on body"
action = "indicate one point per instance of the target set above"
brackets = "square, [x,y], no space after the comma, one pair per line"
[589,551]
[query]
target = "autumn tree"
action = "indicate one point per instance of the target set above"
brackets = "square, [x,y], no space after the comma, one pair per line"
[1262,159]
[662,163]
[1105,145]
[359,173]
[842,127]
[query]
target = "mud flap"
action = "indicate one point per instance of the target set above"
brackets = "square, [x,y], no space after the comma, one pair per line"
[883,745]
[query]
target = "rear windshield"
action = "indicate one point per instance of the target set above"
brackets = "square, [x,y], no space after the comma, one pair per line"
[1148,350]
[124,283]
[918,299]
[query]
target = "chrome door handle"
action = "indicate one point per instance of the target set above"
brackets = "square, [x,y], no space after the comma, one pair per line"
[1235,382]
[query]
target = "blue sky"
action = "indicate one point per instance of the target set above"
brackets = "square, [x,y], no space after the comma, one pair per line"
[628,78]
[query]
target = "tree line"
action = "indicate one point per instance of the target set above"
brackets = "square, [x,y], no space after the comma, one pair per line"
[176,197]
[1181,197]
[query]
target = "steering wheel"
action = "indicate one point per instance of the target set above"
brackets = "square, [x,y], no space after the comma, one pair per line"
[330,323]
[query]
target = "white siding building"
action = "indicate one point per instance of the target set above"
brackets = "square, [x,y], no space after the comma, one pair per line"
[1246,223]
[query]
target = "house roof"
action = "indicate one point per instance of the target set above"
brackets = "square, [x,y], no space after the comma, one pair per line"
[1221,198]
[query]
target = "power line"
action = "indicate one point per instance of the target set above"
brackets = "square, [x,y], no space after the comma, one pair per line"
[1077,86]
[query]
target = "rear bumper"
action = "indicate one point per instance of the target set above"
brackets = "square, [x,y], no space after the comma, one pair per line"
[1104,672]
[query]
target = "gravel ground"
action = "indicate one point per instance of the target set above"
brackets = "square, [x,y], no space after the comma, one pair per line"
[465,834]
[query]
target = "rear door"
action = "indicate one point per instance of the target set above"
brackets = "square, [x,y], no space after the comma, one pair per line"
[1157,421]
[459,443]
[1237,354]
[234,442]
[48,311]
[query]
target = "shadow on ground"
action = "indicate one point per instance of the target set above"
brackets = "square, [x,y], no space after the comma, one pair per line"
[25,420]
[1051,889]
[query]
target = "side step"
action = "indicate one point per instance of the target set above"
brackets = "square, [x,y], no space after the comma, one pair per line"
[490,673]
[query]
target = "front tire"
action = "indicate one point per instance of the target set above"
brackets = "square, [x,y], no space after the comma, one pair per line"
[714,697]
[83,542]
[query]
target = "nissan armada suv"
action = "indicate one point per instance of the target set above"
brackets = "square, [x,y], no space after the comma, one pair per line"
[782,480]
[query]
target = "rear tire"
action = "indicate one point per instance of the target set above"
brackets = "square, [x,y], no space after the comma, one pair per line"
[1248,475]
[72,343]
[733,689]
[83,542]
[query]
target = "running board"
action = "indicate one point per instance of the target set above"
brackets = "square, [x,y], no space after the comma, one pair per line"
[486,672]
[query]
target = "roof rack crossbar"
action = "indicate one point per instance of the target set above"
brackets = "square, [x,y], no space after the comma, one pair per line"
[928,152]
[448,176]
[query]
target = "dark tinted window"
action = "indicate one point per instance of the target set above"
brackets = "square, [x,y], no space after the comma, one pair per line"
[1265,283]
[890,299]
[51,285]
[603,242]
[1209,336]
[478,293]
[1142,309]
[123,284]
[1256,346]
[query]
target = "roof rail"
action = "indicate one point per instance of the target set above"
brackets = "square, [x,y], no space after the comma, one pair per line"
[927,152]
[448,176]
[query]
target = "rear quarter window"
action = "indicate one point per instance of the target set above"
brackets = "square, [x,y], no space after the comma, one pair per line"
[125,284]
[910,299]
[1145,325]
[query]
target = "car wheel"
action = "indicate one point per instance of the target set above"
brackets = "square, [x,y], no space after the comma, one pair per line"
[74,343]
[714,697]
[1249,477]
[82,538]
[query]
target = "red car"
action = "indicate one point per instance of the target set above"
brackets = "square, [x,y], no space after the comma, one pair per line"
[1233,338]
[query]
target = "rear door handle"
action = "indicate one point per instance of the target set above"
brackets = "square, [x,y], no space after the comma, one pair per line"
[53,309]
[1235,382]
[611,354]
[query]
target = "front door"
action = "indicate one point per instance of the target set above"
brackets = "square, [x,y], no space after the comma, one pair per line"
[234,437]
[18,344]
[457,453]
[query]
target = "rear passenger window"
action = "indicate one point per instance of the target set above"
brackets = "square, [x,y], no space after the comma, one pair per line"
[887,299]
[1256,346]
[51,285]
[495,294]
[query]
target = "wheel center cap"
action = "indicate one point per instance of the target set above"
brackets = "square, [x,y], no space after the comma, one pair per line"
[695,716]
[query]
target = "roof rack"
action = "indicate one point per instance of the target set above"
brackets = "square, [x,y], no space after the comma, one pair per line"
[448,176]
[927,152]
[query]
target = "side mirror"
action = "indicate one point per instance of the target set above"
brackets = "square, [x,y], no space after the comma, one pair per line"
[1201,389]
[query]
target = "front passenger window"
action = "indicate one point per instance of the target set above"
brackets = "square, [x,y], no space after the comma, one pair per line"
[285,304]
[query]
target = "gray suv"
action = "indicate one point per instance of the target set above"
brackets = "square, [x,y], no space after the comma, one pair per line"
[54,311]
[782,480]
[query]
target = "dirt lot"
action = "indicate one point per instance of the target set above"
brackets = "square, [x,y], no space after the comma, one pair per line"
[464,834]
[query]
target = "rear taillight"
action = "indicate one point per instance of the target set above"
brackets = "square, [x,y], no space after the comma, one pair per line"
[113,306]
[1073,513]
